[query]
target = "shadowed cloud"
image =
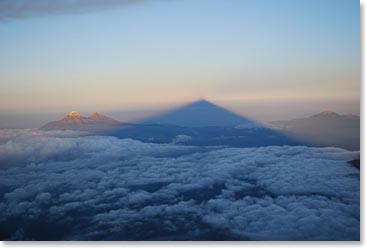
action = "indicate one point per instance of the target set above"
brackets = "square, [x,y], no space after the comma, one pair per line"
[21,9]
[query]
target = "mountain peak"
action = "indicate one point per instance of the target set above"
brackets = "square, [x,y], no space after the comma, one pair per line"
[73,114]
[96,115]
[74,121]
[326,113]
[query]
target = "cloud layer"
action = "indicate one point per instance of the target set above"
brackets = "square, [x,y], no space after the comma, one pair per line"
[20,9]
[121,189]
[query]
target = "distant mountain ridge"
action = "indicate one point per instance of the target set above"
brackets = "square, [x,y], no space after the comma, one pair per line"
[327,128]
[75,121]
[328,113]
[200,123]
[204,123]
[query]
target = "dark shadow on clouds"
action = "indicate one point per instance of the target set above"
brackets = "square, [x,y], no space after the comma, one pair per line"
[202,123]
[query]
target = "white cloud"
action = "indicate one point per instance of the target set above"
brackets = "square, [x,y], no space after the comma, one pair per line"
[181,139]
[26,146]
[121,189]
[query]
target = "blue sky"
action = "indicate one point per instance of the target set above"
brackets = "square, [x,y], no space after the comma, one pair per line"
[151,53]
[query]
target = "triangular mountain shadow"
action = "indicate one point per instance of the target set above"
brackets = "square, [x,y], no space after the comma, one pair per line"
[200,114]
[202,124]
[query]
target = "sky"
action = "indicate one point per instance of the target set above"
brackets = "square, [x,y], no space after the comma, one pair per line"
[271,59]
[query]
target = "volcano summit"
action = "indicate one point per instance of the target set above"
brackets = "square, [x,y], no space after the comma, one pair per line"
[75,121]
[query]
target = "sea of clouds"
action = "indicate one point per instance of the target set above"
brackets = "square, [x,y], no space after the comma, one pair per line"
[68,185]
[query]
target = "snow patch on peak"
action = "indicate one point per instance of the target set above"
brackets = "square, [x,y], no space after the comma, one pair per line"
[74,114]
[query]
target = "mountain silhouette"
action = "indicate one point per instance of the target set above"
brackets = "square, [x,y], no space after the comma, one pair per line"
[74,121]
[324,129]
[200,114]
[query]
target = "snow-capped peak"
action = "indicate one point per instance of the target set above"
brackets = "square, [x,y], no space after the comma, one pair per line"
[75,121]
[73,114]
